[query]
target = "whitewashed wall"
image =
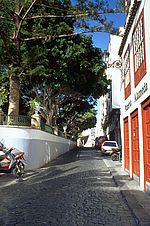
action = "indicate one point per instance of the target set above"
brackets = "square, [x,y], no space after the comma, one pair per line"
[39,147]
[132,102]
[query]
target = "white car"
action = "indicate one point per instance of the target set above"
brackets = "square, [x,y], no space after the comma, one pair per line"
[109,147]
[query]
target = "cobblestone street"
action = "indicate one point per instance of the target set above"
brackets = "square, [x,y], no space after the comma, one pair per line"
[76,189]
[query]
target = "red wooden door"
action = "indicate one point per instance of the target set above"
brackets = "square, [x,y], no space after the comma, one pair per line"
[146,139]
[135,144]
[126,144]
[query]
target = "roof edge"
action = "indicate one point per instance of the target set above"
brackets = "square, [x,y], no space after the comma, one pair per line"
[129,25]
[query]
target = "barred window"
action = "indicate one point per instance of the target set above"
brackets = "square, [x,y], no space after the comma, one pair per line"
[139,56]
[127,79]
[138,38]
[127,69]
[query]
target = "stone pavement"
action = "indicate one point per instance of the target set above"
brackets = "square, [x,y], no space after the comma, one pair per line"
[76,189]
[137,200]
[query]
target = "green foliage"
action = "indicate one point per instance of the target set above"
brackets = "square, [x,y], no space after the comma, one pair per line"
[54,66]
[77,114]
[4,86]
[122,5]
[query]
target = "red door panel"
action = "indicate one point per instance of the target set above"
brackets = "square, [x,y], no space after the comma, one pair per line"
[126,144]
[135,144]
[146,139]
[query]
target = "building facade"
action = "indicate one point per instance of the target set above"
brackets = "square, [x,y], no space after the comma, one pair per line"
[110,103]
[135,93]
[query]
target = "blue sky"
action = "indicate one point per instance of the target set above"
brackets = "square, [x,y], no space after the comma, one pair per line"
[101,39]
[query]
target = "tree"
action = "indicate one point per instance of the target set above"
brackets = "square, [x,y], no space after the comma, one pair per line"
[76,114]
[73,71]
[124,5]
[39,21]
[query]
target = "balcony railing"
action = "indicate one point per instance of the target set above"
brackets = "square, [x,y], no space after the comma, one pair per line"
[20,120]
[51,130]
[14,120]
[47,128]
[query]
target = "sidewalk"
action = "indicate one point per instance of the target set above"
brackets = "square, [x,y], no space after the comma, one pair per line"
[137,200]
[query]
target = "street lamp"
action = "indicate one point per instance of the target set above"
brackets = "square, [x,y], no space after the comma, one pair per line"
[112,117]
[115,64]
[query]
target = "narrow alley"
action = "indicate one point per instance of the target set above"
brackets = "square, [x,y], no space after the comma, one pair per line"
[76,189]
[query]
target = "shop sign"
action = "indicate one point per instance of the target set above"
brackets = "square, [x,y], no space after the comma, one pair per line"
[127,106]
[138,94]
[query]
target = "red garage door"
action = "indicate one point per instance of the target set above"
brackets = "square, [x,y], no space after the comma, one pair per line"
[146,139]
[126,144]
[135,145]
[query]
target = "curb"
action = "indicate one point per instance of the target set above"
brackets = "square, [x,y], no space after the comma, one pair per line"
[126,200]
[137,200]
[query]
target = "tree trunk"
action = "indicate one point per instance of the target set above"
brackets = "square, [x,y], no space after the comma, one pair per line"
[49,119]
[14,89]
[14,86]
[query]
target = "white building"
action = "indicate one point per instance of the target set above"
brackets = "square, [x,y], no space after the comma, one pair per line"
[87,138]
[135,93]
[110,103]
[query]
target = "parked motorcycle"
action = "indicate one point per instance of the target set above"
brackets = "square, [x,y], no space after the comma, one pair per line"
[11,161]
[116,155]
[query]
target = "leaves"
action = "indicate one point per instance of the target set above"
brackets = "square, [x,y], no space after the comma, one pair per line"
[58,67]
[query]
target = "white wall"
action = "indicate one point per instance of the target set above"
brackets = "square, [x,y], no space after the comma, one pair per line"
[113,48]
[116,83]
[113,72]
[132,102]
[39,147]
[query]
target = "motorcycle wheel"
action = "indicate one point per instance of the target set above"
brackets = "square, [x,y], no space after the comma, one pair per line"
[115,157]
[18,171]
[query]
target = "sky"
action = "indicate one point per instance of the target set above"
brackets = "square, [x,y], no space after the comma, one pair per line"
[101,39]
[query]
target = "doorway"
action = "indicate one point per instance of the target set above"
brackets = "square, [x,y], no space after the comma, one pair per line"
[146,141]
[126,144]
[135,146]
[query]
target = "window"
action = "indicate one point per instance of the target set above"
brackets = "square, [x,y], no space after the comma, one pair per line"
[139,50]
[110,144]
[126,66]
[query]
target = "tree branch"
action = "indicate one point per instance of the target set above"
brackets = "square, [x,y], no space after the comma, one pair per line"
[23,18]
[71,15]
[53,37]
[21,10]
[58,16]
[35,91]
[49,37]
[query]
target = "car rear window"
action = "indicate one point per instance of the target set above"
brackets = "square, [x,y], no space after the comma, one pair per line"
[112,144]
